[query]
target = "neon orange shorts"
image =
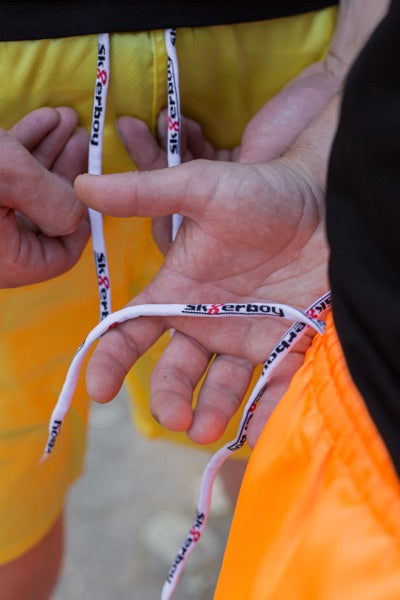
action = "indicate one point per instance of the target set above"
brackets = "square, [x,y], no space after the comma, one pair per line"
[318,516]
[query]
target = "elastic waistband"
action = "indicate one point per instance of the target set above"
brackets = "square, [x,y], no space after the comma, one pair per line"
[64,18]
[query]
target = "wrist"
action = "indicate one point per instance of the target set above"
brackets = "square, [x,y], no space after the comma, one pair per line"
[357,19]
[311,150]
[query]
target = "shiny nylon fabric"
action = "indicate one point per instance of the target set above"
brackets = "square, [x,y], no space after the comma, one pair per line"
[318,515]
[225,79]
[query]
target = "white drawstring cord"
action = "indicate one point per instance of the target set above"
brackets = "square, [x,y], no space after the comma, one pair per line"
[95,168]
[109,319]
[174,113]
[254,309]
[280,351]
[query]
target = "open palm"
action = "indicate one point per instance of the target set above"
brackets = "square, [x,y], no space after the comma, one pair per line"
[252,232]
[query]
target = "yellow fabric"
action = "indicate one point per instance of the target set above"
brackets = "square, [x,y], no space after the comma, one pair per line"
[226,74]
[318,516]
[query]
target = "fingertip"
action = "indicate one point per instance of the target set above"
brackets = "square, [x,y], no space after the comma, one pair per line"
[94,192]
[129,128]
[107,367]
[171,412]
[74,156]
[98,390]
[162,121]
[68,114]
[81,184]
[46,115]
[32,128]
[209,427]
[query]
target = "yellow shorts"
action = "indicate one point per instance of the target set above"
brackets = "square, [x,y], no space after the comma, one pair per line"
[227,73]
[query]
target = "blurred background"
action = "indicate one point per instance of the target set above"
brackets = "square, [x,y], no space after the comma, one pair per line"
[130,512]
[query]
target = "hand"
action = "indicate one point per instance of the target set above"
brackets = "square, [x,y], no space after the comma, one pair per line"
[42,225]
[251,233]
[268,135]
[312,90]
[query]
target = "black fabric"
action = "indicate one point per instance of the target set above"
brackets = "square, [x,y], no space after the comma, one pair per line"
[363,223]
[63,18]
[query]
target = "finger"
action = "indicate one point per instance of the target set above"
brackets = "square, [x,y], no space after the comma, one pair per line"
[161,228]
[174,379]
[277,388]
[162,136]
[162,130]
[198,145]
[31,129]
[62,253]
[183,189]
[140,144]
[47,151]
[48,133]
[193,142]
[220,396]
[28,258]
[267,404]
[48,201]
[73,157]
[118,350]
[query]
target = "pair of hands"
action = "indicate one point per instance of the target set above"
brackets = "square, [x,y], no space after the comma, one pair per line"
[252,232]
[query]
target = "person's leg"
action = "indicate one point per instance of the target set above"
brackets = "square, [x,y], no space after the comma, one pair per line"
[33,365]
[33,575]
[42,325]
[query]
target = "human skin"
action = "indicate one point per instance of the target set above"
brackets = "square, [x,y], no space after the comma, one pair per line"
[42,233]
[253,230]
[42,226]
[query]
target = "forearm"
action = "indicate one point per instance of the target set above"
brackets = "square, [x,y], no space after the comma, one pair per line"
[356,21]
[310,152]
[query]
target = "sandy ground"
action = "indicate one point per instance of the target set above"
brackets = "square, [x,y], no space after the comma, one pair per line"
[129,513]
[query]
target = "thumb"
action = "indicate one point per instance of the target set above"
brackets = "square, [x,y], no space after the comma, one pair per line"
[182,189]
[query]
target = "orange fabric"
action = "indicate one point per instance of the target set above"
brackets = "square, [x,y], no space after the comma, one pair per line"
[318,516]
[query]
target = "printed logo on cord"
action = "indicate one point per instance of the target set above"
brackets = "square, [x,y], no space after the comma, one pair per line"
[192,538]
[280,350]
[221,309]
[172,36]
[55,430]
[101,82]
[241,436]
[173,109]
[324,304]
[199,310]
[103,283]
[208,310]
